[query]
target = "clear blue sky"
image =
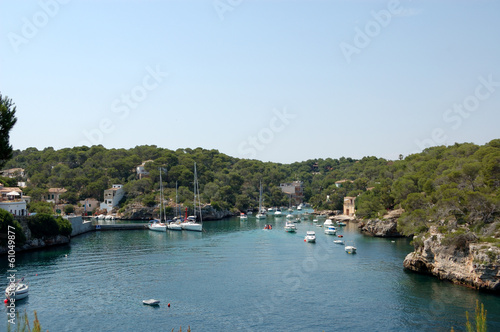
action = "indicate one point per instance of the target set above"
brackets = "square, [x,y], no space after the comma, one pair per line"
[278,81]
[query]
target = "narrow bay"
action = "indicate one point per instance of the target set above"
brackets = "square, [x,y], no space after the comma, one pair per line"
[237,276]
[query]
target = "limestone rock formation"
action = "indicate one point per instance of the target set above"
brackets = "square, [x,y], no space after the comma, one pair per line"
[464,262]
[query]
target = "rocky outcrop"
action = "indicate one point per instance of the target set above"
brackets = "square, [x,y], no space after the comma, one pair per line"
[209,213]
[385,227]
[380,228]
[464,262]
[37,243]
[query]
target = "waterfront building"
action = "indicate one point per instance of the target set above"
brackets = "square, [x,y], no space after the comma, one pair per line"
[12,200]
[112,197]
[349,208]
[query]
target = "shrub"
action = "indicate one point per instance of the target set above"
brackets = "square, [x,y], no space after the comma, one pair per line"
[40,207]
[68,209]
[6,220]
[43,225]
[458,239]
[64,225]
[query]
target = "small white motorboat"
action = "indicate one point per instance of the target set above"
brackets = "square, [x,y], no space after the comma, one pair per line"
[330,230]
[328,223]
[151,302]
[350,249]
[243,216]
[16,291]
[310,237]
[338,241]
[290,227]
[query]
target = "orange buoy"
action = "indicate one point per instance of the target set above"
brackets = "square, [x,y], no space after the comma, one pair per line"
[5,301]
[169,305]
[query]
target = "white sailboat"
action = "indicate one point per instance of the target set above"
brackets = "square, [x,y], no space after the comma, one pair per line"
[190,224]
[261,214]
[175,225]
[156,224]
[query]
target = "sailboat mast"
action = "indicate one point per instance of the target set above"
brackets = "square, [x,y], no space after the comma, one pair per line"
[177,211]
[196,194]
[161,193]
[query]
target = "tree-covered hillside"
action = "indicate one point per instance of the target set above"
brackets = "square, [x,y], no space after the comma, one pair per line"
[459,181]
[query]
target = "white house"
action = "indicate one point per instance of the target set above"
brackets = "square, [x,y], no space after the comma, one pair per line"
[112,197]
[12,200]
[141,170]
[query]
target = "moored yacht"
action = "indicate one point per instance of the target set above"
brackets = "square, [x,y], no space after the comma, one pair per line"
[310,237]
[290,227]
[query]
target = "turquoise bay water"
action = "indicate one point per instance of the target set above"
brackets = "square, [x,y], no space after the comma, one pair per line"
[237,276]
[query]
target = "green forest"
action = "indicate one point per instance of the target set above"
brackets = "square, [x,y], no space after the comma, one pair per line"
[459,182]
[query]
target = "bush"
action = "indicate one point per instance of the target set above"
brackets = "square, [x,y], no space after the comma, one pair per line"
[458,239]
[43,225]
[40,207]
[6,220]
[64,225]
[69,209]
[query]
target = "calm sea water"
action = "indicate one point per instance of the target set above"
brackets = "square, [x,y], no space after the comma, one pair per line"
[237,276]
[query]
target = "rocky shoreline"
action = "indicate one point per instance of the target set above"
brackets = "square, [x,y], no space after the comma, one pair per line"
[34,244]
[385,227]
[466,262]
[474,265]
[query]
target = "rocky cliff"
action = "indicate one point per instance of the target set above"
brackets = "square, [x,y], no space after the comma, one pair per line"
[462,261]
[380,228]
[385,227]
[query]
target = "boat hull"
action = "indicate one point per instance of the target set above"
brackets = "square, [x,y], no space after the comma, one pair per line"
[191,226]
[17,292]
[174,227]
[158,228]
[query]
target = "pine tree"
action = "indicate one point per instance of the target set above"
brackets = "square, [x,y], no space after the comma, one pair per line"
[7,122]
